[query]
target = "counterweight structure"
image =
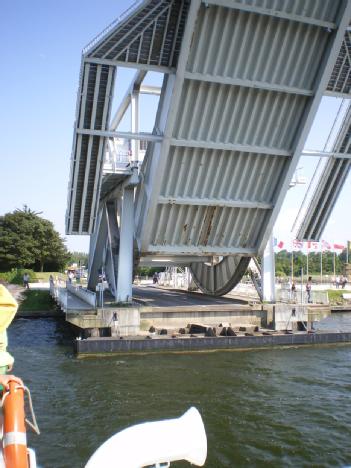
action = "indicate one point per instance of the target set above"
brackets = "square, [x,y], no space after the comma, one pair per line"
[242,83]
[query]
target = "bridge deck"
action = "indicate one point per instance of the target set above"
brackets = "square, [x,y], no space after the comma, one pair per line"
[244,84]
[161,297]
[243,81]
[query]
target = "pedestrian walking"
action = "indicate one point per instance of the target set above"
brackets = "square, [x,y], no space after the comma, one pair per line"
[26,281]
[70,276]
[308,289]
[293,292]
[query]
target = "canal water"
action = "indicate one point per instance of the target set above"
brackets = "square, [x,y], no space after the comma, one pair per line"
[276,407]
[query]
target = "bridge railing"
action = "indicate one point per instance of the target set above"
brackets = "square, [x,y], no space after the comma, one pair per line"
[300,297]
[58,292]
[85,294]
[109,28]
[62,299]
[116,162]
[174,279]
[119,156]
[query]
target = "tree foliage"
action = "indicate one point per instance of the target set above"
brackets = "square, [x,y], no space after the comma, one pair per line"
[80,258]
[148,271]
[284,261]
[29,241]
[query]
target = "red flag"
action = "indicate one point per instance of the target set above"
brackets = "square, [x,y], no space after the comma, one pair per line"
[312,245]
[277,244]
[339,247]
[297,245]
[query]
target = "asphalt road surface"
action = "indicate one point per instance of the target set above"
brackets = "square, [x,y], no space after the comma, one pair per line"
[154,296]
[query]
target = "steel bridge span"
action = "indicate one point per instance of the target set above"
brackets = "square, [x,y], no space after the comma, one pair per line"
[242,84]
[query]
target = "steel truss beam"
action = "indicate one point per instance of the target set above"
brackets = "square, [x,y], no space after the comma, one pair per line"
[215,202]
[134,108]
[230,147]
[125,257]
[78,139]
[246,83]
[337,94]
[147,89]
[76,155]
[270,12]
[173,259]
[149,16]
[90,145]
[126,135]
[131,180]
[326,154]
[138,66]
[97,245]
[135,84]
[201,250]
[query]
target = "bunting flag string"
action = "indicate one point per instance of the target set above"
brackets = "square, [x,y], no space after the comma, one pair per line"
[308,246]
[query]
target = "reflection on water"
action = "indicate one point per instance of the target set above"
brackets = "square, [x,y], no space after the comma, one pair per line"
[277,407]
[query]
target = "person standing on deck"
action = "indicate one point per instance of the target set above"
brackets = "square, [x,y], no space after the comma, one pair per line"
[308,289]
[293,291]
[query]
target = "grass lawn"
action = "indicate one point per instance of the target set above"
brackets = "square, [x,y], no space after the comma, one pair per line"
[37,301]
[335,296]
[45,275]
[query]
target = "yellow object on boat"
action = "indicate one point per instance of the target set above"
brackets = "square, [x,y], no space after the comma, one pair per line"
[8,309]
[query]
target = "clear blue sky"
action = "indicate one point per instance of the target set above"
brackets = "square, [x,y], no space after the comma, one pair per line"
[40,55]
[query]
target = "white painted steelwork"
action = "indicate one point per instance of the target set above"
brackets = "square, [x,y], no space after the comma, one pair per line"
[243,81]
[251,81]
[125,258]
[148,35]
[326,154]
[329,186]
[340,80]
[268,272]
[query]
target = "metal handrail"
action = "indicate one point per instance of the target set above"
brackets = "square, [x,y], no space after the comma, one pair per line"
[97,38]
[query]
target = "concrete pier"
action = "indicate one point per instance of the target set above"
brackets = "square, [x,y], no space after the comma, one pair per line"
[118,328]
[92,346]
[162,308]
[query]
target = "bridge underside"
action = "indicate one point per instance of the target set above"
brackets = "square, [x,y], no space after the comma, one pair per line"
[242,84]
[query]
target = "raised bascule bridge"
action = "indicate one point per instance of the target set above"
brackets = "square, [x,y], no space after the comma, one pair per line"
[242,82]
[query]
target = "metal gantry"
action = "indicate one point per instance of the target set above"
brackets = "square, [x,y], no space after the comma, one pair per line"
[242,83]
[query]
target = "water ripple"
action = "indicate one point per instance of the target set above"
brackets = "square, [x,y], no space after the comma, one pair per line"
[277,408]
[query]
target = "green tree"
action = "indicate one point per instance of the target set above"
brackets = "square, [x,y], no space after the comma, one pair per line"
[148,271]
[29,241]
[283,262]
[80,258]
